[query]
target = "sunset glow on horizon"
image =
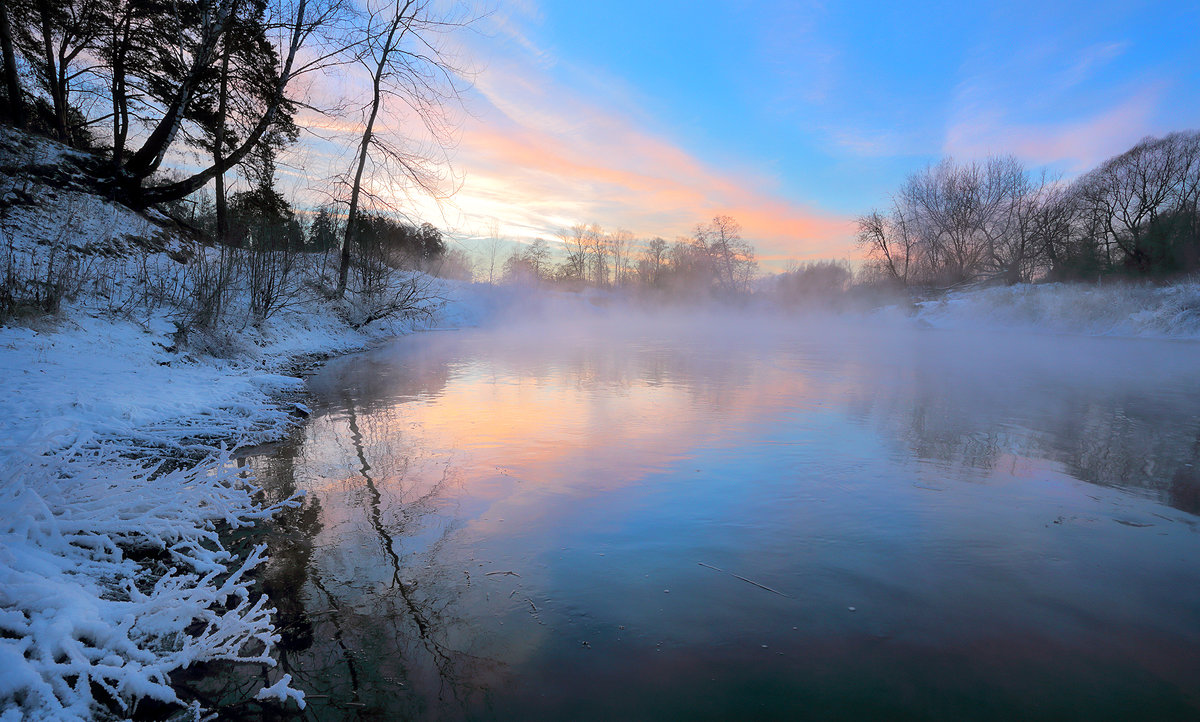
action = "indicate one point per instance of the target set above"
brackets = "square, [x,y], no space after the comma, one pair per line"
[791,118]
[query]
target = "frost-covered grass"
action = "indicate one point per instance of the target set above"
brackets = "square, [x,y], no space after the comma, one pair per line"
[113,572]
[113,576]
[117,416]
[1111,309]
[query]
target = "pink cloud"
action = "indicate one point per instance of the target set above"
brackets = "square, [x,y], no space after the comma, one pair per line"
[1080,143]
[546,150]
[537,153]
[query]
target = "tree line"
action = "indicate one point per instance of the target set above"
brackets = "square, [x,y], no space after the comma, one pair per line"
[713,261]
[221,82]
[953,223]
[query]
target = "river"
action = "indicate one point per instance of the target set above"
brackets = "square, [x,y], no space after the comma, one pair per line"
[724,518]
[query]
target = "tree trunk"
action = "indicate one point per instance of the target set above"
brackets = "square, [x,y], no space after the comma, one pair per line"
[148,158]
[356,187]
[219,147]
[355,190]
[12,81]
[120,98]
[51,71]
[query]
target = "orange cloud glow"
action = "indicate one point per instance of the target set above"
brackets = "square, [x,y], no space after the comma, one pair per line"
[538,157]
[536,154]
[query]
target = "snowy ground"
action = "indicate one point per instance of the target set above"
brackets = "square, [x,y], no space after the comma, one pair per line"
[1114,309]
[116,480]
[105,567]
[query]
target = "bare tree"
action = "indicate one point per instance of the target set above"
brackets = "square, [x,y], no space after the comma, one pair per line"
[955,223]
[654,259]
[596,241]
[819,282]
[491,249]
[400,50]
[537,255]
[575,243]
[958,207]
[732,258]
[891,241]
[621,245]
[1143,190]
[1036,212]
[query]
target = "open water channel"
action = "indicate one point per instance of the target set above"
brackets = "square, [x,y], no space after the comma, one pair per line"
[717,519]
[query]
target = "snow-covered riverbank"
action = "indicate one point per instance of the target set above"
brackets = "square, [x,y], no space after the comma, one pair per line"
[113,572]
[1112,309]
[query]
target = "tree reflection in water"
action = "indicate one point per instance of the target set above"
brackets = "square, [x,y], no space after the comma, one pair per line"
[982,409]
[384,621]
[365,606]
[489,517]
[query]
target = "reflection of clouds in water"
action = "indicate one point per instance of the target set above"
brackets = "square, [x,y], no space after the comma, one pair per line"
[579,401]
[445,471]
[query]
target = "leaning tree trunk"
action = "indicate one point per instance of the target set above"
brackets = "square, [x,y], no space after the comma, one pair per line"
[148,158]
[136,195]
[355,191]
[389,45]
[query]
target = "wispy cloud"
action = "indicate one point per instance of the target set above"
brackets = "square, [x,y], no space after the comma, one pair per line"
[866,143]
[811,101]
[1051,102]
[1076,143]
[1090,61]
[542,152]
[804,63]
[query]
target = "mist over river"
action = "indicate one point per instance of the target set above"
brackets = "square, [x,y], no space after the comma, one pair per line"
[718,518]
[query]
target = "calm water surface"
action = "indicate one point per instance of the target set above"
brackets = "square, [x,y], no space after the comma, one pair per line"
[716,520]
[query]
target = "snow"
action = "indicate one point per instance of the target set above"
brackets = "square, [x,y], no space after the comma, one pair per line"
[78,612]
[107,557]
[1113,309]
[282,691]
[117,480]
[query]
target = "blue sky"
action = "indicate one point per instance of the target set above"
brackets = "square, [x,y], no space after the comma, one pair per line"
[795,117]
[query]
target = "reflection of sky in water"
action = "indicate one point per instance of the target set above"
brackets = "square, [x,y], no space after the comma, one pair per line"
[519,524]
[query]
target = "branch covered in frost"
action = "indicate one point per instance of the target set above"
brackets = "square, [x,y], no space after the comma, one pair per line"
[81,628]
[282,691]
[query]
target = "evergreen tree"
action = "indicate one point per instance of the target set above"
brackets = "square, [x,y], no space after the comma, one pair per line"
[261,218]
[323,235]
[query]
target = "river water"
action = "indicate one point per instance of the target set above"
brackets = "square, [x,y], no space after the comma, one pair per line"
[721,518]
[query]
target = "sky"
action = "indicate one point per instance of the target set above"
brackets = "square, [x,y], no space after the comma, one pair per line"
[792,117]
